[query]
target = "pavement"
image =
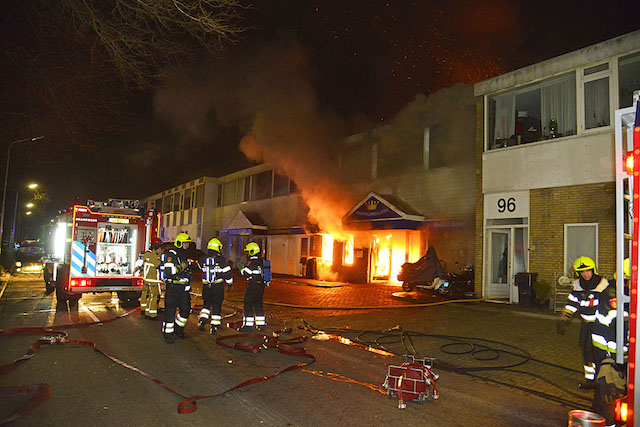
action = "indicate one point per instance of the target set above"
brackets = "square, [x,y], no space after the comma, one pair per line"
[509,345]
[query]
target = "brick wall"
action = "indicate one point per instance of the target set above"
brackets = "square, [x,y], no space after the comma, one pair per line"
[551,208]
[479,199]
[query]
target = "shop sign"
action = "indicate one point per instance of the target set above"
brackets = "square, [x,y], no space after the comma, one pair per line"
[506,205]
[373,209]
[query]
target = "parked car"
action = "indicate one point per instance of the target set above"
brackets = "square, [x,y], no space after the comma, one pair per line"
[28,258]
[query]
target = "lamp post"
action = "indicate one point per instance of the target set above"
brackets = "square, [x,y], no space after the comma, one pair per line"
[6,177]
[12,241]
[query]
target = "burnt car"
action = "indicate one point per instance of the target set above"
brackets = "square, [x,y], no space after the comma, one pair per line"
[427,274]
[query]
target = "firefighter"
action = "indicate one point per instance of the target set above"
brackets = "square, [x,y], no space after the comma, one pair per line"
[253,310]
[583,300]
[215,274]
[151,276]
[174,269]
[610,379]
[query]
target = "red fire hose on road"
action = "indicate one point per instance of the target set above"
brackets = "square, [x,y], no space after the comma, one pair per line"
[40,392]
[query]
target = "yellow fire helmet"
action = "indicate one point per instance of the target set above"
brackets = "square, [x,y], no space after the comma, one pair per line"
[584,263]
[181,239]
[215,245]
[252,248]
[626,270]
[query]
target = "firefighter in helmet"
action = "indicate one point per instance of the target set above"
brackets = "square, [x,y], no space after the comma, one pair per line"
[215,274]
[253,310]
[174,269]
[610,379]
[583,300]
[151,276]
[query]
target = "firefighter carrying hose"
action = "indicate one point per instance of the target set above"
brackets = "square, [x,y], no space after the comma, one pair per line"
[151,276]
[610,379]
[215,274]
[174,269]
[583,300]
[253,310]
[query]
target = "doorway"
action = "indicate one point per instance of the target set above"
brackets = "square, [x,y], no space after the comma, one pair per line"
[507,254]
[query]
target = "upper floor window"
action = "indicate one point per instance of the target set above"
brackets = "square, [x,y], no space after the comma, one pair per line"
[534,113]
[176,202]
[261,185]
[628,78]
[597,108]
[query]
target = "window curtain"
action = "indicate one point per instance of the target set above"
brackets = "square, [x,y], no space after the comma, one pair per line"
[581,241]
[558,101]
[505,122]
[596,103]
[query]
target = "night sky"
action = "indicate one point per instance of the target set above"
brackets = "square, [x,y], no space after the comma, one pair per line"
[356,62]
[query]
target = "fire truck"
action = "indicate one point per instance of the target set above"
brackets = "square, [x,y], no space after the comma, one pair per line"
[627,154]
[95,248]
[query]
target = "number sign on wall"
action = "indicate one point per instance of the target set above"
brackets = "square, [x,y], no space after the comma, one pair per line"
[506,205]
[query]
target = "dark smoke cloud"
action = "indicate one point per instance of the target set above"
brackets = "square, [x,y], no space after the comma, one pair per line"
[267,92]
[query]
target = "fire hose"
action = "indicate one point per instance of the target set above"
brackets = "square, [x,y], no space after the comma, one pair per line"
[40,392]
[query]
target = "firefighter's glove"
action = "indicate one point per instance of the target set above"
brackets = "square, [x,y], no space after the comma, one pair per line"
[561,326]
[610,381]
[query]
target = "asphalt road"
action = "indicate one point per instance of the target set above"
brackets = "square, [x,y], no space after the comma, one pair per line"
[342,387]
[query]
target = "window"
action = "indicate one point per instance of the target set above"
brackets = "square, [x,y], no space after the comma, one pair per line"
[261,185]
[158,205]
[175,216]
[176,202]
[187,199]
[597,109]
[628,78]
[166,204]
[199,196]
[538,112]
[280,185]
[580,240]
[247,189]
[219,195]
[242,192]
[229,193]
[292,186]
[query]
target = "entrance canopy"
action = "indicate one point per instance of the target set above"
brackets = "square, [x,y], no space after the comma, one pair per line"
[245,224]
[378,212]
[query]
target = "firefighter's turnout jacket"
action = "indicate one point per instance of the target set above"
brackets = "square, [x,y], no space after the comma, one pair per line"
[253,309]
[151,286]
[174,270]
[584,299]
[216,273]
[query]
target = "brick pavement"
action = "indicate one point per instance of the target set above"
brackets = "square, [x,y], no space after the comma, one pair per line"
[497,342]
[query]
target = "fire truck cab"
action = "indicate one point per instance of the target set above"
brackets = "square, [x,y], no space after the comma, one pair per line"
[96,247]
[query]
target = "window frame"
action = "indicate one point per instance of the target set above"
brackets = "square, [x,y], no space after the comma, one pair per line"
[610,73]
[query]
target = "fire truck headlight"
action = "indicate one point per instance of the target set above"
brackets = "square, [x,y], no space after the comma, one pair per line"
[18,264]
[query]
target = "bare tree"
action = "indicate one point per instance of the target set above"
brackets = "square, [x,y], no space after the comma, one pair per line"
[68,67]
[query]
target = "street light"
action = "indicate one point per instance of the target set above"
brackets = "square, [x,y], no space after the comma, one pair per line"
[6,177]
[12,240]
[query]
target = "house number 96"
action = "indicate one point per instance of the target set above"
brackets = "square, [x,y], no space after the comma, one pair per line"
[506,205]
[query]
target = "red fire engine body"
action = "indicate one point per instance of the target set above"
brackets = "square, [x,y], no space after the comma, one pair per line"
[627,148]
[96,247]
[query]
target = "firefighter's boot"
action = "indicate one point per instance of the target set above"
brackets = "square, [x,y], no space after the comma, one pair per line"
[168,338]
[201,324]
[180,332]
[213,330]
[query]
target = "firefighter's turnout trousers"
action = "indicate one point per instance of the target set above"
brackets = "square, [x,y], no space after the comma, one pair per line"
[176,298]
[215,274]
[253,310]
[149,298]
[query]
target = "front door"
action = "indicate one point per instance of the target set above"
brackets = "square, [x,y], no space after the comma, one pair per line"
[499,265]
